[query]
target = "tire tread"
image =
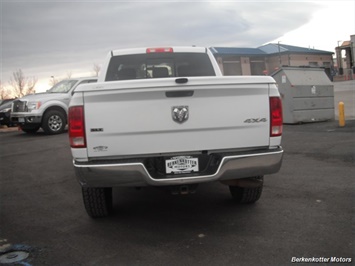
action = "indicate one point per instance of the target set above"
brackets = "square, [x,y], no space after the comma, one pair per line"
[97,201]
[247,195]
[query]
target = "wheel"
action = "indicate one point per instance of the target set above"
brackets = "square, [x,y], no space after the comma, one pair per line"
[53,122]
[30,129]
[248,194]
[97,201]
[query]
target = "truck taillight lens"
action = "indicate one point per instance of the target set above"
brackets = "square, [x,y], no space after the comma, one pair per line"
[275,117]
[160,50]
[76,127]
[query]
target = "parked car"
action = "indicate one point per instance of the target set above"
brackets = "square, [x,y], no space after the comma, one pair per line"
[5,112]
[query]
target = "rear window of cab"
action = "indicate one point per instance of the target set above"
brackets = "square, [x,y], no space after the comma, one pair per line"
[159,65]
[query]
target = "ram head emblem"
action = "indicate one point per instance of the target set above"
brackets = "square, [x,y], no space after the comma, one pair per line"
[180,114]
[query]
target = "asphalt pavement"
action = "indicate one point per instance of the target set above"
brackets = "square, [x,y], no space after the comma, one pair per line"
[305,215]
[306,211]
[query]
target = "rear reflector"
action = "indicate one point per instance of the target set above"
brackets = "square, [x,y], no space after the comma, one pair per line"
[76,127]
[275,117]
[160,50]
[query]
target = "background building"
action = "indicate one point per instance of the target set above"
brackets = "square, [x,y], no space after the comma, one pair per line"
[345,59]
[268,58]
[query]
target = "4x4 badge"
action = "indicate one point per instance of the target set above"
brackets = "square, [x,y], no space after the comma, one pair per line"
[180,114]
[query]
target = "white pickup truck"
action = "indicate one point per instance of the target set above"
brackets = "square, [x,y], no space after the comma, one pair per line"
[167,117]
[48,110]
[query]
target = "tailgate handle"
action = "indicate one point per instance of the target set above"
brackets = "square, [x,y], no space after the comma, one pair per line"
[172,94]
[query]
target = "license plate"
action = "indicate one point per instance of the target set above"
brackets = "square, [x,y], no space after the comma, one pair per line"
[21,119]
[181,165]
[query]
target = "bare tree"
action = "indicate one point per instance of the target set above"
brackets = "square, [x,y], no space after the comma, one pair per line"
[31,83]
[96,69]
[22,85]
[18,83]
[4,92]
[69,74]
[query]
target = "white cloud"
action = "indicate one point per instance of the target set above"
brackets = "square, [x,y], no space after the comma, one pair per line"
[50,38]
[332,22]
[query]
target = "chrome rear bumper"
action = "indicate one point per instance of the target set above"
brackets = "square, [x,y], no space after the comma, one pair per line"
[134,174]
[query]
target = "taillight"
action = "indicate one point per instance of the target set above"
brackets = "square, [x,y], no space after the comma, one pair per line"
[275,117]
[160,50]
[76,127]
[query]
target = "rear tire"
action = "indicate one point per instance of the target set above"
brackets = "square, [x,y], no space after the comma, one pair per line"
[247,194]
[97,201]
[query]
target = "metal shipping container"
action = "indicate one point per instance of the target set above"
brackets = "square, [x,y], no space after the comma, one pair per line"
[307,94]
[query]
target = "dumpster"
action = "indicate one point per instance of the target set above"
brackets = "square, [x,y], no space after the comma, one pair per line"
[307,94]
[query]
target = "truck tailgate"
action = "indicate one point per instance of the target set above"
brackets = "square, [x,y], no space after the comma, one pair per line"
[136,117]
